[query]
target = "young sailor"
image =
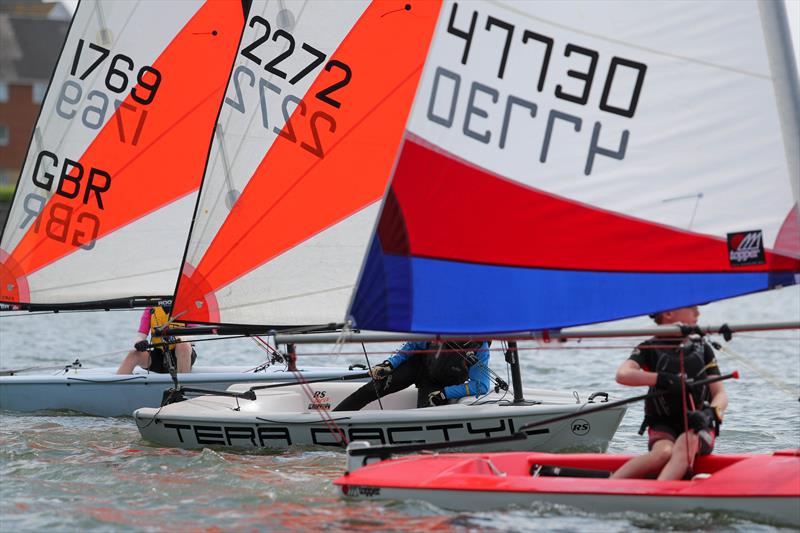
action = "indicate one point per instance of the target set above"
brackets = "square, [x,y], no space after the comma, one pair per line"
[659,363]
[441,372]
[154,359]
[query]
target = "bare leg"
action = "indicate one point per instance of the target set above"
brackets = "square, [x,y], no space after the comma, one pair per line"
[133,359]
[685,448]
[183,355]
[649,463]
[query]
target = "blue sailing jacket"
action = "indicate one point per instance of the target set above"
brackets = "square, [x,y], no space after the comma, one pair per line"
[479,379]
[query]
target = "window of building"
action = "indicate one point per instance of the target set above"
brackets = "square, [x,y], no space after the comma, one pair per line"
[5,135]
[3,92]
[7,176]
[38,92]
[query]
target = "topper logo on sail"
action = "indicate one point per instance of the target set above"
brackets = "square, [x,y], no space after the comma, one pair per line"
[746,248]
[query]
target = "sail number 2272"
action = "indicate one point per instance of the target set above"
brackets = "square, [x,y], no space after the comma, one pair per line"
[293,108]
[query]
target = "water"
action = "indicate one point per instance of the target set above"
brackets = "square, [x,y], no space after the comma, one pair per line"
[71,472]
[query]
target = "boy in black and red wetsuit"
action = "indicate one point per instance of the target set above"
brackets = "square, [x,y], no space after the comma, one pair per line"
[657,363]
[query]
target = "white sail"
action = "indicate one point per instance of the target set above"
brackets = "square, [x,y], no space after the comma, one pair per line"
[573,162]
[105,197]
[304,147]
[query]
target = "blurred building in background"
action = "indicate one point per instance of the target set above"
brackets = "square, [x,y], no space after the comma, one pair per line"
[31,36]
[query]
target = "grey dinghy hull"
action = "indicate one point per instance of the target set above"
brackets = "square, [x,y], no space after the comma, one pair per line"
[101,392]
[288,416]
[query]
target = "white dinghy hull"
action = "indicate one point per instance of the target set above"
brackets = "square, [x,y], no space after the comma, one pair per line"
[101,392]
[286,416]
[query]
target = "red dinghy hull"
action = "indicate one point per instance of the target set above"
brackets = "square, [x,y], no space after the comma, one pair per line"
[766,486]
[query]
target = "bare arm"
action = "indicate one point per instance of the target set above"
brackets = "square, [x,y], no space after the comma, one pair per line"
[630,373]
[719,397]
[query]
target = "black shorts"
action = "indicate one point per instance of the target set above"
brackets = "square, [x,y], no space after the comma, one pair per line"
[158,363]
[661,431]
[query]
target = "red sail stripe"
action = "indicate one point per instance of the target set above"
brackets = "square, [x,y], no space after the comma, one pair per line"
[385,54]
[465,213]
[168,161]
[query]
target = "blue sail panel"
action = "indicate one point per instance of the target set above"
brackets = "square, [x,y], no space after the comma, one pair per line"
[406,293]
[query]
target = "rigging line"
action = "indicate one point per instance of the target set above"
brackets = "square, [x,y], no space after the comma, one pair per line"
[298,295]
[767,338]
[265,346]
[697,197]
[374,383]
[764,373]
[483,367]
[324,414]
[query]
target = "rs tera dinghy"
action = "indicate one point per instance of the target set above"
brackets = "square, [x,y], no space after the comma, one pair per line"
[104,201]
[761,486]
[102,392]
[300,415]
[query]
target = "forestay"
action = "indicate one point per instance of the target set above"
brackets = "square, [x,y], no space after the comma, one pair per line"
[105,198]
[314,112]
[574,162]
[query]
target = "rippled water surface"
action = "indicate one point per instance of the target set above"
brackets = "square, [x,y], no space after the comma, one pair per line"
[65,472]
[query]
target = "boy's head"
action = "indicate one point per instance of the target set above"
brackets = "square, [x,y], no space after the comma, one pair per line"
[684,315]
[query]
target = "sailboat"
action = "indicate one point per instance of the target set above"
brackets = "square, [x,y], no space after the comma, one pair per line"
[628,158]
[102,210]
[281,234]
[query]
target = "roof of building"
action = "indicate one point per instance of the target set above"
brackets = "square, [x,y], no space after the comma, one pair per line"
[31,38]
[51,9]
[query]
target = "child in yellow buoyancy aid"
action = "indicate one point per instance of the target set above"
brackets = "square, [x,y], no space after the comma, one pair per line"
[154,359]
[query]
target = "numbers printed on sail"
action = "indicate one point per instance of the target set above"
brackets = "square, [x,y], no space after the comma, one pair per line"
[579,68]
[93,108]
[294,111]
[118,75]
[285,44]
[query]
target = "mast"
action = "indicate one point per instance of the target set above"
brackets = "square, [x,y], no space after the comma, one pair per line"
[783,65]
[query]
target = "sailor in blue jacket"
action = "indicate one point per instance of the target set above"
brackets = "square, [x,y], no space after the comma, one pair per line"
[441,372]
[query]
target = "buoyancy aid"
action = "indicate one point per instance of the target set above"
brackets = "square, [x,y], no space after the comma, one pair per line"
[159,317]
[449,363]
[668,359]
